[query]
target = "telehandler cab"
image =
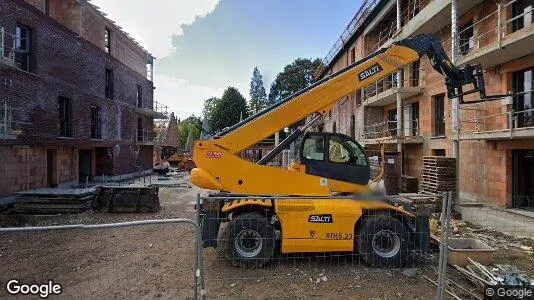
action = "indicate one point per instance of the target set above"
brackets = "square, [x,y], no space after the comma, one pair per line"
[323,202]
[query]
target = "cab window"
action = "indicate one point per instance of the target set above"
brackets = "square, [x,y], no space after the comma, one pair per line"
[360,158]
[314,148]
[338,152]
[345,151]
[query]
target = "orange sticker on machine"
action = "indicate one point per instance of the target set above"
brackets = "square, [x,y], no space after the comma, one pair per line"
[213,154]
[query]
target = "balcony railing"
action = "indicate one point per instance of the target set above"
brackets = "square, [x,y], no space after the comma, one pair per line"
[502,125]
[380,86]
[491,29]
[157,110]
[145,137]
[161,109]
[361,15]
[410,9]
[484,122]
[387,130]
[376,91]
[383,35]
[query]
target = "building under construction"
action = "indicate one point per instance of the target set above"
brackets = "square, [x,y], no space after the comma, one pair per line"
[410,113]
[76,96]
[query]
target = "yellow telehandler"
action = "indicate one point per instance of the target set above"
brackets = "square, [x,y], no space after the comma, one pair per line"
[323,202]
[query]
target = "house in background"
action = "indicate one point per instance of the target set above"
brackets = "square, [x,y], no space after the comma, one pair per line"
[167,141]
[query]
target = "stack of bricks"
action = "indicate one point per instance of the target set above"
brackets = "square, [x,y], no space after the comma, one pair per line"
[439,174]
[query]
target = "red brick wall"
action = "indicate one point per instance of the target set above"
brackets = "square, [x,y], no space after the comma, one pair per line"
[27,163]
[26,167]
[413,159]
[90,24]
[122,46]
[71,67]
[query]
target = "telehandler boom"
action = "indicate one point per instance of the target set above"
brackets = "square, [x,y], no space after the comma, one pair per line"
[323,202]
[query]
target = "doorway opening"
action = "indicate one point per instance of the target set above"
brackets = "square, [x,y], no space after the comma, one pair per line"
[523,179]
[51,168]
[85,165]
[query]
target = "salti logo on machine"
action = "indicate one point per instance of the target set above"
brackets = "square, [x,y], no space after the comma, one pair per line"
[213,154]
[372,70]
[321,218]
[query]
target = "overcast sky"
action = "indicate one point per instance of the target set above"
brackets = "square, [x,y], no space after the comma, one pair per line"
[204,46]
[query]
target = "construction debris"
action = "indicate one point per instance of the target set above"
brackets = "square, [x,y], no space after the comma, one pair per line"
[500,274]
[419,204]
[455,226]
[53,201]
[161,167]
[182,160]
[447,291]
[463,289]
[493,238]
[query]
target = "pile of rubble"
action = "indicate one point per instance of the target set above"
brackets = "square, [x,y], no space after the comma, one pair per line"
[495,274]
[482,276]
[493,238]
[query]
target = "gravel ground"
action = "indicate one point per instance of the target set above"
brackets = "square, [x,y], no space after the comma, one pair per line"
[158,262]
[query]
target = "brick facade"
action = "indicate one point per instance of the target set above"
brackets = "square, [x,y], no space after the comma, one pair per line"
[485,165]
[70,66]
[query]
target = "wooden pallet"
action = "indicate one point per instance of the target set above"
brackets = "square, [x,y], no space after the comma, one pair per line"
[442,177]
[440,170]
[444,184]
[128,199]
[439,174]
[40,203]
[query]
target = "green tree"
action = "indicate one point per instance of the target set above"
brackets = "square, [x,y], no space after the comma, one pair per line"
[295,76]
[229,110]
[258,97]
[209,105]
[189,126]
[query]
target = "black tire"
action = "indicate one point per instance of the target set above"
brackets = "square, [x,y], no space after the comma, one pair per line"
[383,241]
[249,240]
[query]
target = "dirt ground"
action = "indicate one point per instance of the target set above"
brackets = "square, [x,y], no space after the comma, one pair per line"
[157,261]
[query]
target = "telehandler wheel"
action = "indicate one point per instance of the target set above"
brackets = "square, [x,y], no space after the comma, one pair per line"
[383,240]
[249,240]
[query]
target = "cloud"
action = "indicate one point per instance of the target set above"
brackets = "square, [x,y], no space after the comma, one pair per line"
[204,46]
[153,23]
[182,97]
[222,49]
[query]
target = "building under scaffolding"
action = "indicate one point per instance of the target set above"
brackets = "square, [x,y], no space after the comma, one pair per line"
[409,111]
[77,101]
